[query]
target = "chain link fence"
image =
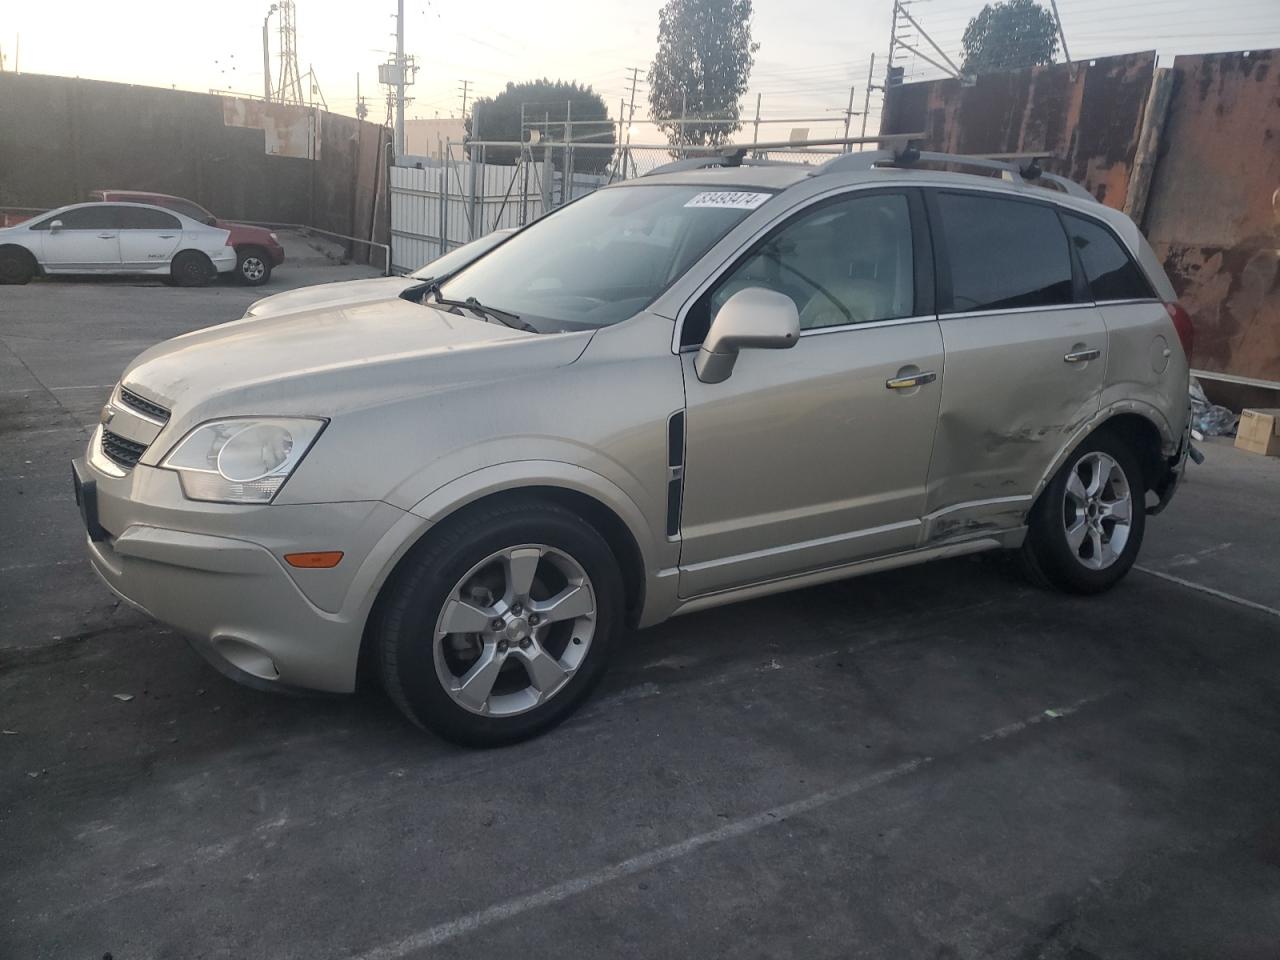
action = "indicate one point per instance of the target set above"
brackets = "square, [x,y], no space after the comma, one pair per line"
[436,206]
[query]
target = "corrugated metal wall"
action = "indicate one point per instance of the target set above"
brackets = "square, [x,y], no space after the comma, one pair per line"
[1214,211]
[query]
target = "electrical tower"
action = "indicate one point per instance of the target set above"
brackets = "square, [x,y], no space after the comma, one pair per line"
[289,85]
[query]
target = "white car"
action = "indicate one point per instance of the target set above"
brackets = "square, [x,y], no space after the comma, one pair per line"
[115,238]
[346,293]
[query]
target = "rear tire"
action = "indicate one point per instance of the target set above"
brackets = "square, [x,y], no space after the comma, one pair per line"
[17,266]
[191,268]
[482,654]
[1086,528]
[253,266]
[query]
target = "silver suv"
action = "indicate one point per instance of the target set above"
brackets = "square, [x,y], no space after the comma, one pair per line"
[714,383]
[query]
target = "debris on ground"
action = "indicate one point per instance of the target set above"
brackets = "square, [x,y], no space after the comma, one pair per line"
[123,697]
[1210,419]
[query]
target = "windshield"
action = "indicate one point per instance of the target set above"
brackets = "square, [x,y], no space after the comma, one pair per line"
[603,258]
[455,260]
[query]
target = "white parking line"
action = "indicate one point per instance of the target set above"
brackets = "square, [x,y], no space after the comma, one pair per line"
[1220,594]
[498,912]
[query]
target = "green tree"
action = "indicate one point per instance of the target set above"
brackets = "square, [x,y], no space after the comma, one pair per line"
[1009,36]
[705,55]
[546,103]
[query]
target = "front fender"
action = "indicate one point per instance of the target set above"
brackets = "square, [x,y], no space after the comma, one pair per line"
[523,474]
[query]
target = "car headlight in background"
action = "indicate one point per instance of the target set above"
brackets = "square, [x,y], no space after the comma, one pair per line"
[274,238]
[245,460]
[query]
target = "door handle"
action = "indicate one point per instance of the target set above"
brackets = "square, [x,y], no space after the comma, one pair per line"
[106,236]
[915,380]
[167,236]
[1082,356]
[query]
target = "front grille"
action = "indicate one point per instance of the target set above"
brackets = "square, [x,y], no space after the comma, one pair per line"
[144,406]
[121,450]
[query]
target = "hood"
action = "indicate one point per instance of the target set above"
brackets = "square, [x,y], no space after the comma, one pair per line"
[323,362]
[343,294]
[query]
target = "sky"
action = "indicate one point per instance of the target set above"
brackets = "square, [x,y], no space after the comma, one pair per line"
[811,51]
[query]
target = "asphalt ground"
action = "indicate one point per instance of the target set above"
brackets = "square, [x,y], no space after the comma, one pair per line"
[939,762]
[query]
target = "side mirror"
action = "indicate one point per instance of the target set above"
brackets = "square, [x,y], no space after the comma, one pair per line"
[55,225]
[751,318]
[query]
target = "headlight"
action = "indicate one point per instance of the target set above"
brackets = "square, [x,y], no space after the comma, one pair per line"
[246,460]
[274,238]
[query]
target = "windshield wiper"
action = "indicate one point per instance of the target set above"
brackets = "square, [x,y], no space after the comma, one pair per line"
[505,317]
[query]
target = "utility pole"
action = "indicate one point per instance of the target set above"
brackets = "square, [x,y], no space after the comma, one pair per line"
[866,99]
[1061,35]
[362,108]
[631,111]
[755,129]
[466,84]
[848,116]
[399,78]
[266,56]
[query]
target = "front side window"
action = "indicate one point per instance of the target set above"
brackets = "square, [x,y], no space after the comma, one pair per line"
[1004,254]
[103,216]
[1111,272]
[605,257]
[842,262]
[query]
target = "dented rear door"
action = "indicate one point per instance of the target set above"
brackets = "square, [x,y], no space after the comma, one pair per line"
[1026,353]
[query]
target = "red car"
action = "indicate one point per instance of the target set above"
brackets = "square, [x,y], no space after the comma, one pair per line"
[258,250]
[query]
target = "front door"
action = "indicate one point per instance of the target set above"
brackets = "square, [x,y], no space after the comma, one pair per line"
[1026,354]
[816,456]
[148,238]
[88,241]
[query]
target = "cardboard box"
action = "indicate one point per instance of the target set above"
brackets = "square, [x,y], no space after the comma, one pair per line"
[1260,432]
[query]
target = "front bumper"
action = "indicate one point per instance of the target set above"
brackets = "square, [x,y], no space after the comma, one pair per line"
[276,254]
[217,572]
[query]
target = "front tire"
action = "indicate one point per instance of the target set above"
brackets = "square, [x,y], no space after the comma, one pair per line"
[17,266]
[499,625]
[253,266]
[1086,529]
[191,268]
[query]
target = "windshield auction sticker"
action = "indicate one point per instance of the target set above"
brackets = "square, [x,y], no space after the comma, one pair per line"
[728,200]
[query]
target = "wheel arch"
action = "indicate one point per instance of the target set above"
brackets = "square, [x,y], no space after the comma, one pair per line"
[1142,427]
[10,247]
[602,516]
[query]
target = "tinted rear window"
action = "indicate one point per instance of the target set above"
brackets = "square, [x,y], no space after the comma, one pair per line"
[1111,272]
[1004,253]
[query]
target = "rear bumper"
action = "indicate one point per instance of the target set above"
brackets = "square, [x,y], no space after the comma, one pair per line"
[224,262]
[277,255]
[1168,486]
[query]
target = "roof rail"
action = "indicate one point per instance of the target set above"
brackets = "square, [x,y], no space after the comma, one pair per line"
[735,155]
[1011,167]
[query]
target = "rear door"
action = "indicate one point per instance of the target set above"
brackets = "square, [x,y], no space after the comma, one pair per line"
[88,241]
[1025,352]
[148,238]
[1144,362]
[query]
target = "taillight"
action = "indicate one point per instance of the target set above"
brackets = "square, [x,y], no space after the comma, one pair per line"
[1182,323]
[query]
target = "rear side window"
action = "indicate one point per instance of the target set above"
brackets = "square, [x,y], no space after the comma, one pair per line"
[187,209]
[140,218]
[1004,253]
[1111,272]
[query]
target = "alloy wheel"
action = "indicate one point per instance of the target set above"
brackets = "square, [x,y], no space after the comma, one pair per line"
[252,269]
[514,630]
[1097,510]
